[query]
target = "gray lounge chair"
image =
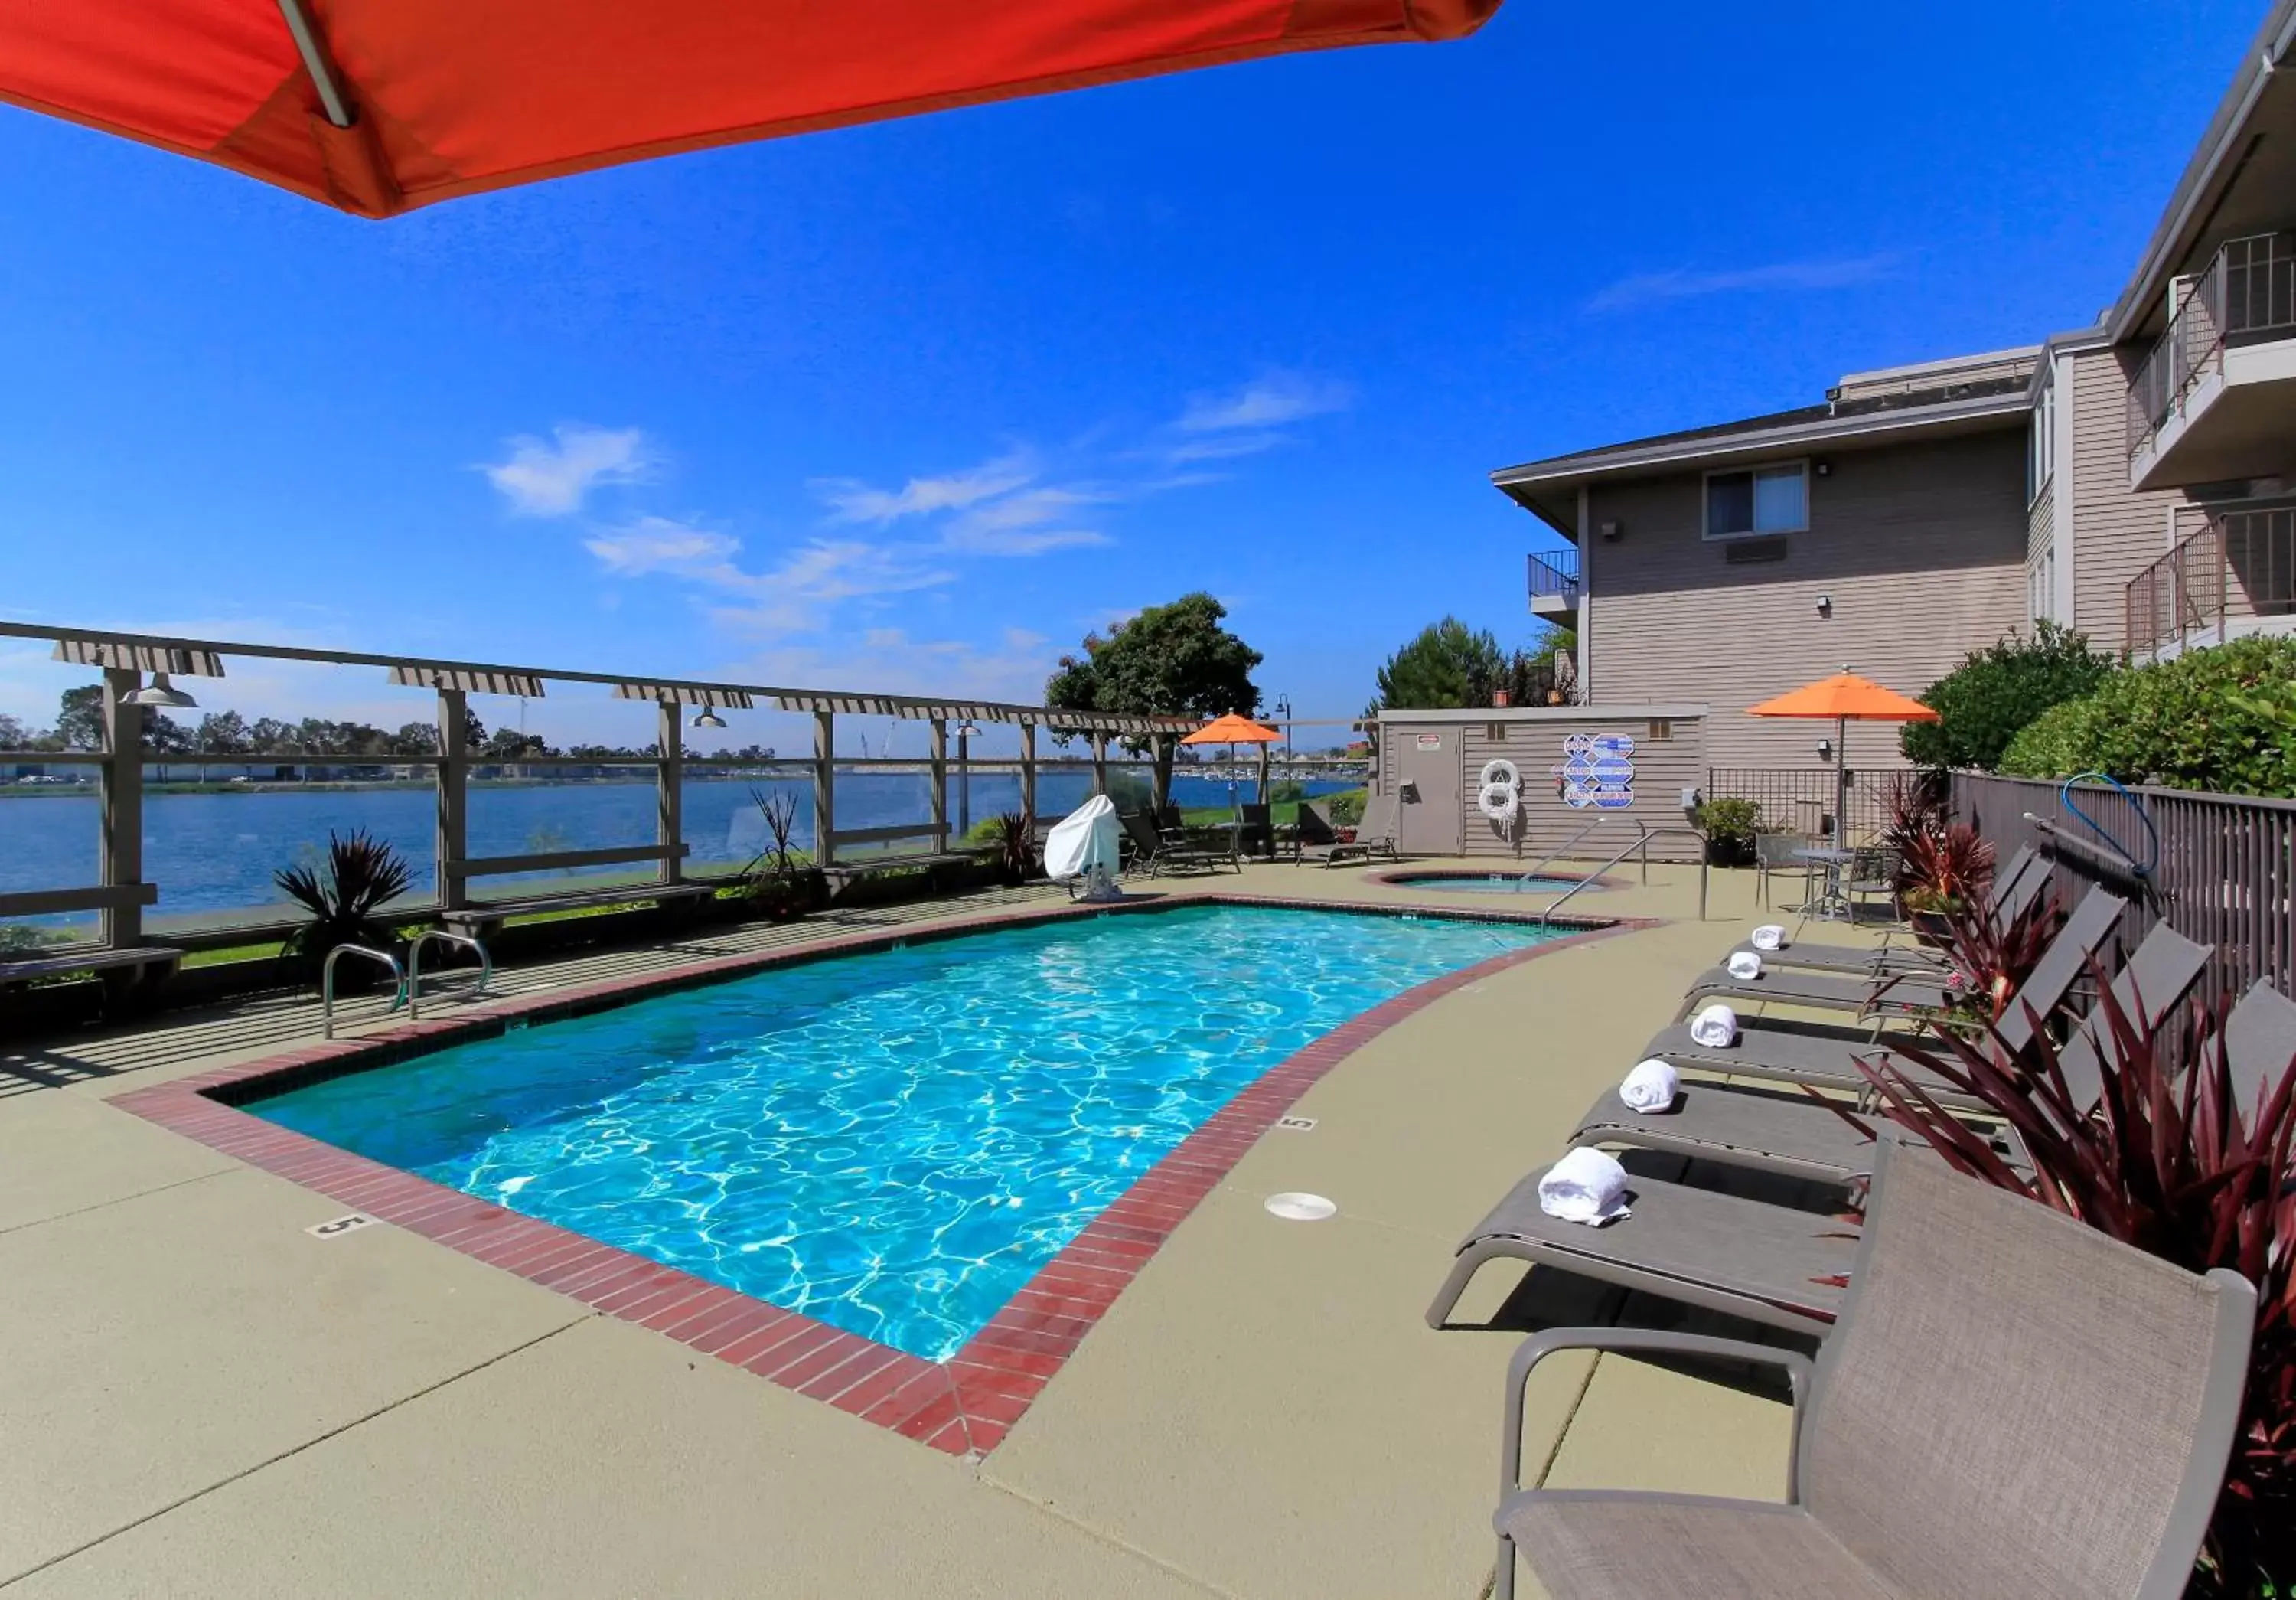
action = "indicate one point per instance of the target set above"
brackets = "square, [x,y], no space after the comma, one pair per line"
[1375,836]
[1783,1132]
[1162,850]
[1821,1057]
[2259,1043]
[1886,995]
[2015,890]
[1964,1434]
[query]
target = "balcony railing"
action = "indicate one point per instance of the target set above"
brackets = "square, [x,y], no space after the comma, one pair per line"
[2240,566]
[2248,291]
[1554,576]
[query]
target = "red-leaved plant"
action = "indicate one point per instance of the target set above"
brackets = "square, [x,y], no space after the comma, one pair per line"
[2168,1161]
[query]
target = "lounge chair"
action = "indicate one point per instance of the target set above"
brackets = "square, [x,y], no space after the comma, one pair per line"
[1784,1132]
[1964,1432]
[1822,1056]
[1883,994]
[2259,1043]
[2015,890]
[1159,851]
[1375,836]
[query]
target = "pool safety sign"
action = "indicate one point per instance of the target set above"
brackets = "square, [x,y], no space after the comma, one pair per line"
[1597,770]
[1430,741]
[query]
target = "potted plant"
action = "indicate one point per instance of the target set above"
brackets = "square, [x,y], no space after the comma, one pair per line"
[1729,825]
[1930,910]
[361,876]
[1015,841]
[780,883]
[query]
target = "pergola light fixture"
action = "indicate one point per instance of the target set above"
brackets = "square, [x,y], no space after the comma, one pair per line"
[160,693]
[706,718]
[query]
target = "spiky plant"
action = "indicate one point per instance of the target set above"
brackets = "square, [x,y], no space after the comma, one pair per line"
[362,874]
[2168,1161]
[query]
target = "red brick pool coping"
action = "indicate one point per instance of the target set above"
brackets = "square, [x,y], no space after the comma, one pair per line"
[964,1406]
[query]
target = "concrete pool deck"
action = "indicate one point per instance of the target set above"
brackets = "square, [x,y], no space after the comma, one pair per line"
[203,1398]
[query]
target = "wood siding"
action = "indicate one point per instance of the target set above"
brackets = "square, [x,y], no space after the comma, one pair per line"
[1663,769]
[1922,547]
[2040,523]
[2117,532]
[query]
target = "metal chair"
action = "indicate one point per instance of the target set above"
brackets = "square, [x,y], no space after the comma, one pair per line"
[1774,857]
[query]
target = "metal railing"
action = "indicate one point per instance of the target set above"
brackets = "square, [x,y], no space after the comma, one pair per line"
[414,966]
[327,982]
[1797,798]
[2240,565]
[2217,869]
[2248,290]
[1554,576]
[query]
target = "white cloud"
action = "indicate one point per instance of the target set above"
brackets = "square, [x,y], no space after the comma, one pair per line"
[1016,524]
[1789,276]
[1218,446]
[546,478]
[1275,398]
[850,500]
[658,545]
[793,595]
[892,660]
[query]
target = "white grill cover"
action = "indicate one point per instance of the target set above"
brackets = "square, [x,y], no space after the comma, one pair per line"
[1084,839]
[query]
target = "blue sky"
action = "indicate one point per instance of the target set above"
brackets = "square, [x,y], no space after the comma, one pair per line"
[913,405]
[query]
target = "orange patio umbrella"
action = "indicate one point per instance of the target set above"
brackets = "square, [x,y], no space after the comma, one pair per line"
[378,106]
[1233,730]
[1844,699]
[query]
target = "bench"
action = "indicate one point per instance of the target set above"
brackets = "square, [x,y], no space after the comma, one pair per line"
[841,872]
[123,971]
[483,922]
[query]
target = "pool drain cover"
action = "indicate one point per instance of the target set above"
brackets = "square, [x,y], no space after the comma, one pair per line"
[1300,1208]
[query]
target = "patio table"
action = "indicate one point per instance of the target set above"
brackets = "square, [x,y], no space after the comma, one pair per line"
[1831,898]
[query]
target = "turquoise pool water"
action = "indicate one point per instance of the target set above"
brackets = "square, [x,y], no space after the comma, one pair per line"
[893,1142]
[1494,883]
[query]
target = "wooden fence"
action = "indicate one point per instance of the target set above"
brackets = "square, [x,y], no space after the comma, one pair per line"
[2218,868]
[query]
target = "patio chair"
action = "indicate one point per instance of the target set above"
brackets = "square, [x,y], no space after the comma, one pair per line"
[1775,857]
[1821,1057]
[1159,851]
[1375,836]
[1313,830]
[1771,1131]
[1887,993]
[1965,1432]
[1259,835]
[2016,888]
[1872,874]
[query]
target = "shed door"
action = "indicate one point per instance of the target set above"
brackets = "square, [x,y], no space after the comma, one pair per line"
[1429,818]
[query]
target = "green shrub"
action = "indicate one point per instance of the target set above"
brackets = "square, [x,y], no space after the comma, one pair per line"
[1982,703]
[1728,820]
[2222,720]
[1346,808]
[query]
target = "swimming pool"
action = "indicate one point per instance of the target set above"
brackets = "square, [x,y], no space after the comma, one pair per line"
[892,1142]
[1488,882]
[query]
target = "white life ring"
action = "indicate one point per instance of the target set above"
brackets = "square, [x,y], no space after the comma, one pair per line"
[1499,802]
[1500,771]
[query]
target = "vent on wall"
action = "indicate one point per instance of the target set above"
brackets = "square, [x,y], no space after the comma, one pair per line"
[1738,551]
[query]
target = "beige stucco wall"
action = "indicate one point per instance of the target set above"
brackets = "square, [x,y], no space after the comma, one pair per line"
[1922,548]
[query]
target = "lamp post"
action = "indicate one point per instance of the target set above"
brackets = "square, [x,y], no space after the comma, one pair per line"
[964,732]
[1282,709]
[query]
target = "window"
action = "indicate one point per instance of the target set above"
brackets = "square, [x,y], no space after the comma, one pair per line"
[1765,500]
[2041,450]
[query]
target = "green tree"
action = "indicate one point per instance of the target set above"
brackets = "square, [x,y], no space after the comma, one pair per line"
[1170,661]
[223,734]
[79,718]
[1447,665]
[1983,703]
[13,735]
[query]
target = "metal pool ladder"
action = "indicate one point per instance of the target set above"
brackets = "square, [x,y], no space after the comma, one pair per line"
[327,982]
[415,967]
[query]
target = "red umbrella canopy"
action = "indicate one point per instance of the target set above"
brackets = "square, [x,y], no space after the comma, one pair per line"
[377,106]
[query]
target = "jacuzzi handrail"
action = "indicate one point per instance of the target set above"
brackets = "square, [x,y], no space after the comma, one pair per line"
[1560,851]
[415,967]
[327,982]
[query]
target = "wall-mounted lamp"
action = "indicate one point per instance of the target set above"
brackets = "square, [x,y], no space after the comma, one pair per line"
[1825,749]
[708,718]
[160,693]
[1610,532]
[1823,468]
[1825,606]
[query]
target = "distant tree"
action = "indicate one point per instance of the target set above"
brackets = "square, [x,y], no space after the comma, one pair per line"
[1449,665]
[508,744]
[415,739]
[13,735]
[271,737]
[1170,661]
[164,735]
[79,718]
[223,734]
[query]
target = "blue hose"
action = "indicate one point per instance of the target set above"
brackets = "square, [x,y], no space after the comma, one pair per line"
[2152,856]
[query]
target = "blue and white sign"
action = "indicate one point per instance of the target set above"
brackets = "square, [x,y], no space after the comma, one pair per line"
[1597,770]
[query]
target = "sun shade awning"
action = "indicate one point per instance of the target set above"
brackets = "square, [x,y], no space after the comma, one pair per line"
[378,106]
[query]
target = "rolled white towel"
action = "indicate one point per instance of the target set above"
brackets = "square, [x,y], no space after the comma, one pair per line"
[1715,1027]
[1769,936]
[1651,1086]
[1744,966]
[1584,1185]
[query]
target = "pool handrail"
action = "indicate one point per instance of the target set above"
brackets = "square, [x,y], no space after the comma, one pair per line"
[327,982]
[414,966]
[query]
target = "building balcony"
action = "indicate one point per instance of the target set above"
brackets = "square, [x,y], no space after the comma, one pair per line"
[2216,399]
[1554,587]
[2236,576]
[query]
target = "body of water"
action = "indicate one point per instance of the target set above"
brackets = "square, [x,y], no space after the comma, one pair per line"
[896,1142]
[213,855]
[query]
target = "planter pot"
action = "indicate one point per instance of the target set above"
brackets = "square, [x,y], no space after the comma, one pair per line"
[1730,852]
[1932,928]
